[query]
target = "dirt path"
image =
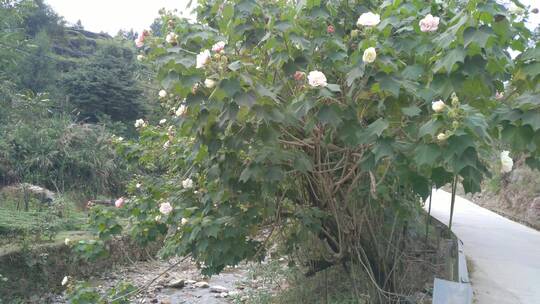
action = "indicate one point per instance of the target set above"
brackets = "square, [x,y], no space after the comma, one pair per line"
[505,255]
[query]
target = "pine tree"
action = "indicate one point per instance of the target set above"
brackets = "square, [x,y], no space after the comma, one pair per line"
[106,85]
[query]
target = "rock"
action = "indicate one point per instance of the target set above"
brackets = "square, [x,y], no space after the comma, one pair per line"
[165,301]
[176,284]
[44,195]
[218,289]
[201,284]
[190,282]
[224,294]
[154,300]
[233,293]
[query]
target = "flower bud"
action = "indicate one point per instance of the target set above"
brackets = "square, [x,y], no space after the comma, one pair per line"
[330,29]
[438,106]
[209,83]
[442,137]
[455,100]
[162,94]
[369,55]
[195,88]
[298,75]
[354,33]
[506,162]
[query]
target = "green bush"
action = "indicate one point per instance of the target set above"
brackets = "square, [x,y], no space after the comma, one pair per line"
[82,293]
[328,120]
[42,147]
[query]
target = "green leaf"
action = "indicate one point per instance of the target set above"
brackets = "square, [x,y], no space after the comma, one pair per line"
[390,84]
[472,179]
[283,26]
[249,173]
[441,177]
[333,87]
[246,6]
[413,72]
[301,107]
[528,101]
[302,163]
[457,162]
[274,173]
[530,54]
[533,162]
[411,111]
[264,91]
[354,74]
[330,114]
[383,148]
[235,65]
[478,124]
[451,58]
[532,119]
[518,137]
[532,69]
[426,154]
[246,99]
[186,61]
[431,127]
[377,127]
[419,183]
[458,144]
[478,36]
[230,86]
[170,79]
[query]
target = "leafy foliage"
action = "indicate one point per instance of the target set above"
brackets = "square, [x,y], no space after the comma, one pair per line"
[348,162]
[82,293]
[106,85]
[46,148]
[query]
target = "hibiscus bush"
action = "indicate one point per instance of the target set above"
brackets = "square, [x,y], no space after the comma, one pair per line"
[326,120]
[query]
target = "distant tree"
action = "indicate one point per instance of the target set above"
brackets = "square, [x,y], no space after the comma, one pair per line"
[78,25]
[38,17]
[129,35]
[156,27]
[37,70]
[105,85]
[12,40]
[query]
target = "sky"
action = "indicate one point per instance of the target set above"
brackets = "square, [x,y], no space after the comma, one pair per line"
[112,15]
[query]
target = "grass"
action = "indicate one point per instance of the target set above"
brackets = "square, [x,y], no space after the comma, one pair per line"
[278,283]
[42,223]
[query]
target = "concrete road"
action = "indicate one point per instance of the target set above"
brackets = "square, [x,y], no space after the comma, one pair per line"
[505,255]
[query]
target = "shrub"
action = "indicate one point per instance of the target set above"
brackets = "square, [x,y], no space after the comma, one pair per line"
[43,147]
[338,133]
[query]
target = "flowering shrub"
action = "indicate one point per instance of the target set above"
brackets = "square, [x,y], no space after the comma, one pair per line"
[399,96]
